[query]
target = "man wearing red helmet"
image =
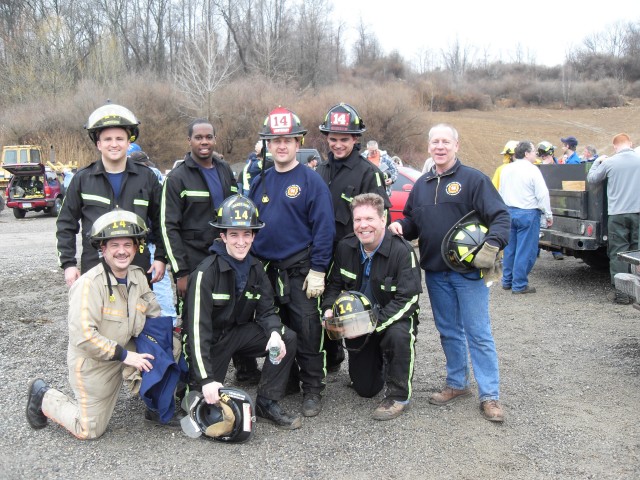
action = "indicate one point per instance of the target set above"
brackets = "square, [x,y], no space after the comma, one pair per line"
[293,198]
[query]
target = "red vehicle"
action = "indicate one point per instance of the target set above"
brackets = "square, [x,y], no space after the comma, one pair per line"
[34,187]
[400,190]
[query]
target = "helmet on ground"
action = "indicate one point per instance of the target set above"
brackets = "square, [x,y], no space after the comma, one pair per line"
[282,122]
[117,223]
[545,148]
[509,147]
[134,147]
[353,316]
[112,116]
[462,241]
[343,118]
[232,420]
[237,211]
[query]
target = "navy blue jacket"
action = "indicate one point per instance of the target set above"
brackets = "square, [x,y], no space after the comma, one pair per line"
[437,202]
[298,214]
[159,383]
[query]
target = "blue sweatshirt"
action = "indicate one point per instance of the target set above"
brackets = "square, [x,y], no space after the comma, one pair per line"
[298,213]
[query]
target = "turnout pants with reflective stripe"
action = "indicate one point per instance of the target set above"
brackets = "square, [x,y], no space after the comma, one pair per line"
[387,355]
[96,385]
[302,315]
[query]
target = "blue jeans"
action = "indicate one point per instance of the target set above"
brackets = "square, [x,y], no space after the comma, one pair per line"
[164,292]
[521,251]
[460,305]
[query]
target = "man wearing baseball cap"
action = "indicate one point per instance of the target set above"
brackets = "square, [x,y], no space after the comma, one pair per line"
[569,146]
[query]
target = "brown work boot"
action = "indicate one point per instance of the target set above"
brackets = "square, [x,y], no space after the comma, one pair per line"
[389,409]
[492,411]
[448,395]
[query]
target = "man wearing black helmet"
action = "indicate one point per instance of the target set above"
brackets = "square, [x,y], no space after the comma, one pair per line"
[230,310]
[347,174]
[113,181]
[293,198]
[108,305]
[459,299]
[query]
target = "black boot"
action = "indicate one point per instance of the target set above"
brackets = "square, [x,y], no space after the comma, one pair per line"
[35,417]
[271,411]
[153,418]
[247,371]
[311,404]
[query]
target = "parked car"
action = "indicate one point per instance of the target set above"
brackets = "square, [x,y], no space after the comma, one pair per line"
[34,187]
[400,190]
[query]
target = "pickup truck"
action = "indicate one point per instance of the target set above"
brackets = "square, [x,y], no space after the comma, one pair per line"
[579,214]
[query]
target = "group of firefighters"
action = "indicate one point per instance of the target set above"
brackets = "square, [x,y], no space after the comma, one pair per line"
[302,262]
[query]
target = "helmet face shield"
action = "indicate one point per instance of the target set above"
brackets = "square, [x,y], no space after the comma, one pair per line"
[353,317]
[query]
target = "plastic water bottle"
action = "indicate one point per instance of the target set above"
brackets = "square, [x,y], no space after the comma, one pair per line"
[273,354]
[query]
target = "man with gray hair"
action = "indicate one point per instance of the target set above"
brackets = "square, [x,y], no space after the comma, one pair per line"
[382,160]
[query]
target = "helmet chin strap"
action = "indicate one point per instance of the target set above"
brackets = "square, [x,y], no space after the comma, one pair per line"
[107,271]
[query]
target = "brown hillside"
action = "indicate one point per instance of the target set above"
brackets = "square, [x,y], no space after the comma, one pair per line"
[483,134]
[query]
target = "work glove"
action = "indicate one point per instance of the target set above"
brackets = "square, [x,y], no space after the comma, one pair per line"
[314,284]
[493,273]
[486,257]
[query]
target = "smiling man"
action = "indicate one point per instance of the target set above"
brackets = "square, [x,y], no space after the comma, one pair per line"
[385,269]
[459,301]
[347,174]
[108,306]
[230,310]
[113,181]
[296,246]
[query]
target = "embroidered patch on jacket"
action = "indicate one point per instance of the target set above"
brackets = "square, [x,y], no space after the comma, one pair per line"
[293,191]
[453,188]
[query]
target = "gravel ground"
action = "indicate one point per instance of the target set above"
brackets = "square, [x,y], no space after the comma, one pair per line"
[570,364]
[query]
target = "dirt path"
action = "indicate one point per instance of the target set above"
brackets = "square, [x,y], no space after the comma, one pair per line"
[570,365]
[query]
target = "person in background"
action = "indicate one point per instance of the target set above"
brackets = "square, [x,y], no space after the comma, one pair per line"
[526,194]
[383,161]
[546,157]
[589,154]
[459,301]
[507,158]
[569,146]
[622,173]
[312,161]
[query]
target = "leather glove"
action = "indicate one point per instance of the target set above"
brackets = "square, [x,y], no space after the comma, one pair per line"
[486,257]
[314,284]
[492,274]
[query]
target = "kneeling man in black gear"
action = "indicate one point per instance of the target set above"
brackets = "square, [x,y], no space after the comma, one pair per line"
[385,269]
[230,309]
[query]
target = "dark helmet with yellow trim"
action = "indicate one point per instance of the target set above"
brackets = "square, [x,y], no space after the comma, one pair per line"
[282,122]
[237,211]
[462,241]
[112,116]
[343,118]
[118,223]
[232,420]
[353,316]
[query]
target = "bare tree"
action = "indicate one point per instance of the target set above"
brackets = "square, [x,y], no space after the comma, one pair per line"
[201,72]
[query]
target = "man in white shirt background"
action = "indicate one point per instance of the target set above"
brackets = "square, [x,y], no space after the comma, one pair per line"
[526,194]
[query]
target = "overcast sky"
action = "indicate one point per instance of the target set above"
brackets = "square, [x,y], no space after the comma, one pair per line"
[544,29]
